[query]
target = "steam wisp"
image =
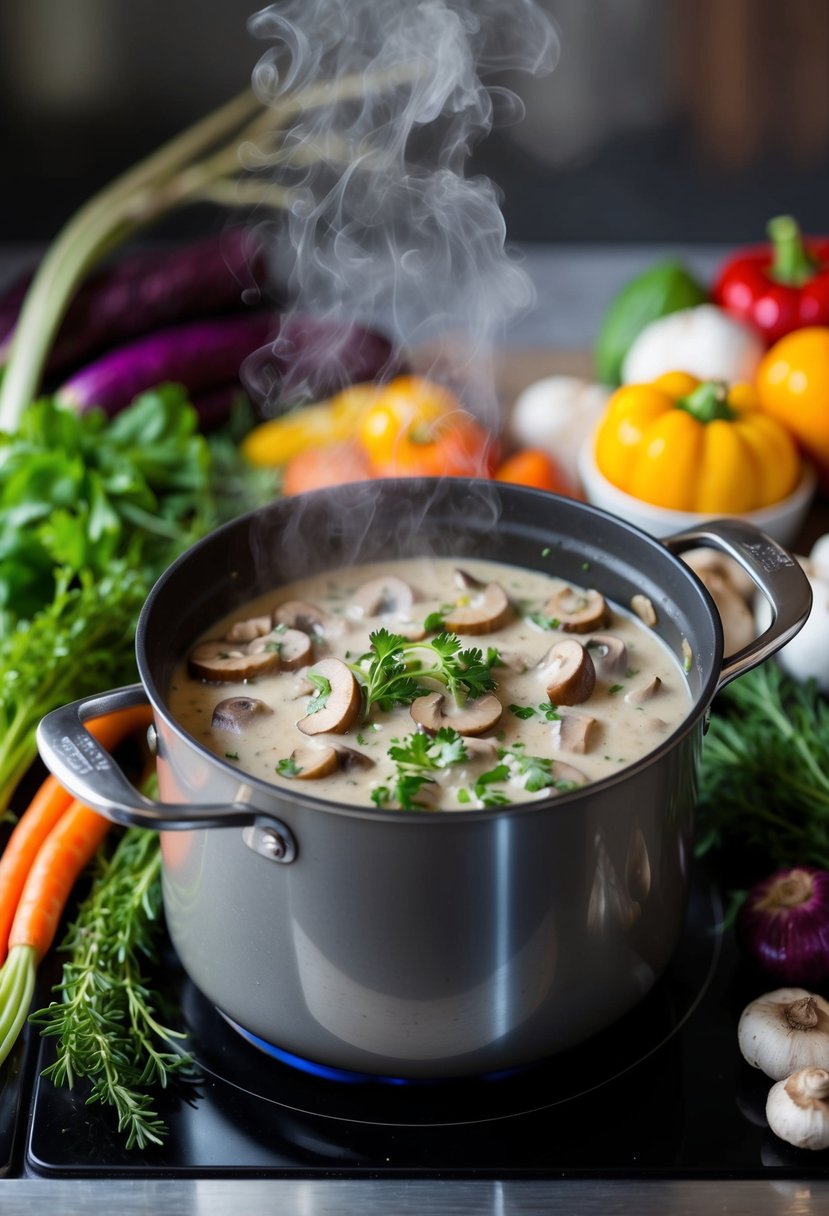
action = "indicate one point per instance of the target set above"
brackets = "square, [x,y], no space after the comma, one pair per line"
[383,227]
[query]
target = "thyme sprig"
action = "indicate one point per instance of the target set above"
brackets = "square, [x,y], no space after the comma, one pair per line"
[106,1023]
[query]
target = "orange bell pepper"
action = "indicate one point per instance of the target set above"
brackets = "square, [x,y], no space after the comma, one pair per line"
[793,387]
[416,428]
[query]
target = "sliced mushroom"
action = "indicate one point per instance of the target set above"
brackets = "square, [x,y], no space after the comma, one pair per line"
[252,627]
[341,704]
[467,581]
[481,749]
[488,609]
[645,692]
[577,611]
[609,654]
[566,772]
[292,645]
[235,714]
[642,605]
[385,595]
[297,614]
[350,759]
[474,718]
[221,661]
[569,672]
[301,687]
[311,763]
[411,630]
[575,732]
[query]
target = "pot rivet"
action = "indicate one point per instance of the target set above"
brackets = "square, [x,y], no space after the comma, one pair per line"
[152,740]
[272,844]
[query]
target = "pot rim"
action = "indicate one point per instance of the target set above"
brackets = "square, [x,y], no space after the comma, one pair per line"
[561,801]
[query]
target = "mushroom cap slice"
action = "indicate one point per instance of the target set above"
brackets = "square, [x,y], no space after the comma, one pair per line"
[384,595]
[313,762]
[481,749]
[298,614]
[566,772]
[645,692]
[221,661]
[248,629]
[352,759]
[293,647]
[474,718]
[609,654]
[488,609]
[569,672]
[575,732]
[235,714]
[578,611]
[341,704]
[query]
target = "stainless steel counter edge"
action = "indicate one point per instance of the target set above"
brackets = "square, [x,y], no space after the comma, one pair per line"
[402,1197]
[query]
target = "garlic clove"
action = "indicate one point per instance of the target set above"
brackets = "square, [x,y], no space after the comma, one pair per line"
[785,1031]
[797,1108]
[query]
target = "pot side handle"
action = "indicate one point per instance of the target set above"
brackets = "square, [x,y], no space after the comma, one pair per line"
[776,574]
[91,775]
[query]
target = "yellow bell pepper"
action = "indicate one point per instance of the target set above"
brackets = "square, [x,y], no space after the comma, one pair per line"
[278,440]
[691,445]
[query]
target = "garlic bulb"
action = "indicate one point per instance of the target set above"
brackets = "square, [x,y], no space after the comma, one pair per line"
[798,1108]
[784,1031]
[704,340]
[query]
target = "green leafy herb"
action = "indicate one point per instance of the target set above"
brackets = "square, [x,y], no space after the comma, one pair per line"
[535,772]
[764,779]
[434,621]
[542,621]
[106,1024]
[391,672]
[545,710]
[416,756]
[231,755]
[288,767]
[483,791]
[614,688]
[323,687]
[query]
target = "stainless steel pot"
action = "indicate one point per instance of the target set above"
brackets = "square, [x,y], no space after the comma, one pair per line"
[420,944]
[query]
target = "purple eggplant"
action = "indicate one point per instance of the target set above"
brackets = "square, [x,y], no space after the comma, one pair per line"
[313,357]
[145,291]
[279,361]
[199,355]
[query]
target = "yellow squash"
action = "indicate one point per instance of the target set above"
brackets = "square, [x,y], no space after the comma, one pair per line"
[691,445]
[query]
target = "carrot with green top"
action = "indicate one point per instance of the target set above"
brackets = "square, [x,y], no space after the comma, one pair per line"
[44,867]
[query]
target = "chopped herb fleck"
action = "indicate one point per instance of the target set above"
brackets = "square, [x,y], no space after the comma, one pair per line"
[231,755]
[323,687]
[288,767]
[614,688]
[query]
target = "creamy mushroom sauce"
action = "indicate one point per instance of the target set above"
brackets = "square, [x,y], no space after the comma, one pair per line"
[636,701]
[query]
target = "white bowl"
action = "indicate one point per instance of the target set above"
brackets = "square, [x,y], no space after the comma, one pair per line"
[782,521]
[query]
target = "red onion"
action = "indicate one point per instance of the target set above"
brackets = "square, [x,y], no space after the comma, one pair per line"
[784,925]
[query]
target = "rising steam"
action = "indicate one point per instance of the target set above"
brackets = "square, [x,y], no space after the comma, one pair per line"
[381,102]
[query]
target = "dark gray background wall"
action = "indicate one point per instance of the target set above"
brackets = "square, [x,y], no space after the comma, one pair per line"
[665,121]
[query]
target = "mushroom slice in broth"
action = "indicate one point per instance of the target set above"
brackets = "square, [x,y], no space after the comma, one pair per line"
[554,693]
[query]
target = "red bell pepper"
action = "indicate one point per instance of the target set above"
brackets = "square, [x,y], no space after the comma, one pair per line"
[780,286]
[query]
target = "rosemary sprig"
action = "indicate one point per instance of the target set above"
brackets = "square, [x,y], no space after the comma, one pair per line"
[105,1023]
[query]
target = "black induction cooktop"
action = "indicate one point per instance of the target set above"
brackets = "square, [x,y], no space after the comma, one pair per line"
[663,1093]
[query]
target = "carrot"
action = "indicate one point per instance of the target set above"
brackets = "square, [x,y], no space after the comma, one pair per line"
[44,812]
[70,847]
[59,861]
[329,465]
[533,467]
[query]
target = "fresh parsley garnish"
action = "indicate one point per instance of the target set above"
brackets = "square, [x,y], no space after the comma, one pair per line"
[614,688]
[544,710]
[416,757]
[392,670]
[323,687]
[542,621]
[288,767]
